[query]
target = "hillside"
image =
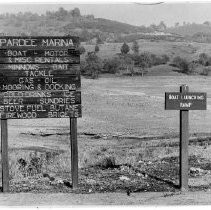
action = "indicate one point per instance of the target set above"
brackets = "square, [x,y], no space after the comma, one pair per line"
[190,29]
[193,32]
[63,22]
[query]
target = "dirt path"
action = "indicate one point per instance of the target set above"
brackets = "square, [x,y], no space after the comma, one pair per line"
[61,199]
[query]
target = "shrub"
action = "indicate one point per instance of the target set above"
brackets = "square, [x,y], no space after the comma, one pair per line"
[97,49]
[107,162]
[81,50]
[125,48]
[204,59]
[135,47]
[206,71]
[112,65]
[182,64]
[93,65]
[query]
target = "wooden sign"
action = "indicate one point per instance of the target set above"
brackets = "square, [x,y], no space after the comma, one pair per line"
[40,60]
[40,94]
[39,73]
[38,53]
[185,101]
[40,83]
[39,78]
[32,111]
[36,67]
[74,98]
[8,42]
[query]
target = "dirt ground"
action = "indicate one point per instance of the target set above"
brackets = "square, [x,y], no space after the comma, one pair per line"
[64,199]
[118,115]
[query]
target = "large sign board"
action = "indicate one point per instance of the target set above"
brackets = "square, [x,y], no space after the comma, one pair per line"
[39,77]
[185,101]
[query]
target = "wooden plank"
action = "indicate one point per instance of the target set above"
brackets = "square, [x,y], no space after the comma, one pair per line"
[74,152]
[39,53]
[4,155]
[40,83]
[184,140]
[39,73]
[40,60]
[40,94]
[33,111]
[74,99]
[36,67]
[185,101]
[8,42]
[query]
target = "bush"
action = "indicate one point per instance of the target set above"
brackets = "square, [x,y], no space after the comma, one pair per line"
[97,49]
[125,48]
[159,60]
[206,71]
[182,64]
[112,65]
[204,59]
[107,162]
[81,50]
[92,66]
[135,47]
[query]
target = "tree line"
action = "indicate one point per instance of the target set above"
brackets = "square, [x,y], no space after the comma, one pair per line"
[132,64]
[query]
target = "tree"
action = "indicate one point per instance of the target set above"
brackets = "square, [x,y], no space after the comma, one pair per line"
[93,65]
[207,23]
[182,64]
[125,48]
[97,49]
[76,12]
[112,65]
[61,13]
[99,40]
[153,27]
[135,47]
[162,26]
[82,50]
[144,61]
[176,24]
[204,59]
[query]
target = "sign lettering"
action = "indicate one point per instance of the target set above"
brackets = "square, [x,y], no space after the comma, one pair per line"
[185,101]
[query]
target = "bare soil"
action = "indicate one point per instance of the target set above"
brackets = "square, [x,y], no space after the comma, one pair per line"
[124,119]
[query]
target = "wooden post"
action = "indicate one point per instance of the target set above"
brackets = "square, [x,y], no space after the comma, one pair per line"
[184,140]
[74,152]
[4,155]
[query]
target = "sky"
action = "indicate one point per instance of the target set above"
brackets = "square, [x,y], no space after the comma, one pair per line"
[127,12]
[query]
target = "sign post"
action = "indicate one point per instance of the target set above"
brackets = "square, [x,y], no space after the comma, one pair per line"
[4,155]
[184,140]
[184,101]
[39,78]
[74,152]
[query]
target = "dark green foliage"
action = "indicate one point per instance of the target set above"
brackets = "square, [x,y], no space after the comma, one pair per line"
[135,47]
[158,60]
[122,64]
[107,162]
[125,48]
[97,49]
[182,64]
[204,59]
[112,65]
[206,71]
[92,66]
[99,40]
[82,50]
[144,60]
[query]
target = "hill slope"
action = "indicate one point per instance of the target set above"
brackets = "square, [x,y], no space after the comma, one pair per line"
[63,22]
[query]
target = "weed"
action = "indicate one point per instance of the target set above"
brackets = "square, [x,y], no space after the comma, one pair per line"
[107,162]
